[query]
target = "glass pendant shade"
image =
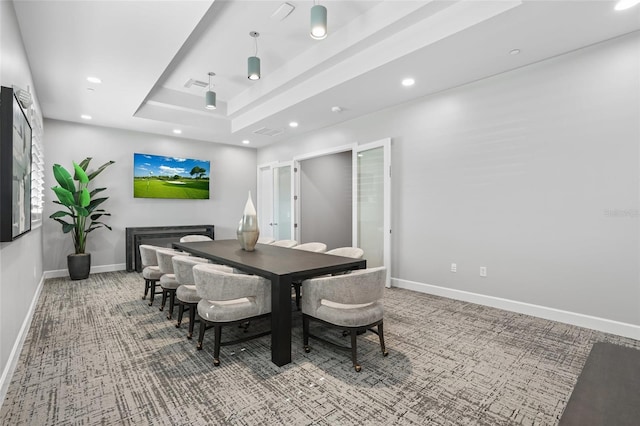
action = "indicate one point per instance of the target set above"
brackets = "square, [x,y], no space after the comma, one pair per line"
[318,22]
[210,100]
[253,67]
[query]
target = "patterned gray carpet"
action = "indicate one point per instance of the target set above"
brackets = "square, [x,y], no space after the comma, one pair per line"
[96,354]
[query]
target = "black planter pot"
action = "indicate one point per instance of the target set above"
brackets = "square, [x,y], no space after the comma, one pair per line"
[79,265]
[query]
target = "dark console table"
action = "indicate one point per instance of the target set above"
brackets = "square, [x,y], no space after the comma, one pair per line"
[162,236]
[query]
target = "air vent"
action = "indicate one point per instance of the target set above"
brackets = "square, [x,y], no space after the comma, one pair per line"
[267,132]
[194,82]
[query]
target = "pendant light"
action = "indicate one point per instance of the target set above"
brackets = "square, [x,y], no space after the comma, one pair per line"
[253,63]
[210,96]
[318,22]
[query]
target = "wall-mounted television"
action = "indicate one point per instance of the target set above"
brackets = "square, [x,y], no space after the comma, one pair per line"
[159,176]
[15,167]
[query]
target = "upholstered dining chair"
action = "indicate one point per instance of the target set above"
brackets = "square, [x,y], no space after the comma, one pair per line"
[186,294]
[229,299]
[352,302]
[168,281]
[354,252]
[262,240]
[194,238]
[285,243]
[313,247]
[150,270]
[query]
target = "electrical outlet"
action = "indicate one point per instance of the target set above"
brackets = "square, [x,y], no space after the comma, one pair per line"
[454,267]
[483,271]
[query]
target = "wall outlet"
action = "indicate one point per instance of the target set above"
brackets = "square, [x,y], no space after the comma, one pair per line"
[454,267]
[483,271]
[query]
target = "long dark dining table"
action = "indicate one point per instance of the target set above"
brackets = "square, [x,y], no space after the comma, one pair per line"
[281,266]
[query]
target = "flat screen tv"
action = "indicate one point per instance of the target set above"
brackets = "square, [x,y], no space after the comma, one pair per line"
[159,176]
[15,167]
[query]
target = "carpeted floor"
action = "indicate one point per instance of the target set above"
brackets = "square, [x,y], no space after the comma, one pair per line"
[97,354]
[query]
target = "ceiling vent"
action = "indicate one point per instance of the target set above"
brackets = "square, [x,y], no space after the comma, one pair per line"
[194,82]
[267,132]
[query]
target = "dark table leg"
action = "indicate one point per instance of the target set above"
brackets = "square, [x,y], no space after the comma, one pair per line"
[281,320]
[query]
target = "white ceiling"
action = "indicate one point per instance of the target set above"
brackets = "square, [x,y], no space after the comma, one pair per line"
[145,52]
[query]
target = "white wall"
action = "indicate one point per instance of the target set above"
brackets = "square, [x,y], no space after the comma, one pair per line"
[532,173]
[325,199]
[233,174]
[20,275]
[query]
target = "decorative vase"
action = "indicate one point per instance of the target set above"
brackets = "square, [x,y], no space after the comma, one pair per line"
[248,231]
[79,265]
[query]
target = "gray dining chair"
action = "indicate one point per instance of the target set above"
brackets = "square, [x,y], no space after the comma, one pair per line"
[265,240]
[285,243]
[186,294]
[227,299]
[351,302]
[194,238]
[354,252]
[168,281]
[314,247]
[150,270]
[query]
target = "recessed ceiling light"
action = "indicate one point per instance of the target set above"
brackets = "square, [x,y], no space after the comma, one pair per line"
[246,142]
[514,52]
[91,89]
[94,80]
[336,109]
[177,131]
[626,4]
[408,82]
[85,117]
[293,124]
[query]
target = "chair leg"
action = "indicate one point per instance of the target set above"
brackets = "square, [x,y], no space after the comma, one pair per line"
[152,290]
[203,327]
[146,288]
[296,287]
[305,333]
[192,320]
[172,301]
[180,314]
[164,298]
[381,336]
[216,344]
[354,350]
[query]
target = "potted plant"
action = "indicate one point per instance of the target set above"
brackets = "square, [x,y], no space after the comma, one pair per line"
[82,215]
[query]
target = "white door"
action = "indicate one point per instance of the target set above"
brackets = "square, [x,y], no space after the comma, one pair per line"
[372,203]
[275,200]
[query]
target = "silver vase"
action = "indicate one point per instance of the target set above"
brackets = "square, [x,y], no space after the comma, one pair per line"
[248,231]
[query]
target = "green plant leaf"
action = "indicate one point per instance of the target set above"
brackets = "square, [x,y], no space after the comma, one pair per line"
[81,211]
[100,169]
[66,227]
[95,203]
[84,198]
[85,163]
[65,196]
[96,190]
[60,213]
[80,175]
[63,177]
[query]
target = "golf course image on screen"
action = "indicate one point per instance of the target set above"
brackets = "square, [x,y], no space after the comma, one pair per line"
[158,176]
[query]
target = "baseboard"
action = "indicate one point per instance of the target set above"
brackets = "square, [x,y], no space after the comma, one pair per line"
[59,273]
[12,362]
[580,320]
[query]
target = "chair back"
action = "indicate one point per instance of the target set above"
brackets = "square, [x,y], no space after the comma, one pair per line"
[285,243]
[354,252]
[183,268]
[314,247]
[148,255]
[165,257]
[213,284]
[194,238]
[361,286]
[265,240]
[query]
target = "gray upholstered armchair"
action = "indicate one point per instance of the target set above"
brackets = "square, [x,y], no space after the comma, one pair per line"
[168,280]
[194,238]
[150,270]
[186,294]
[352,302]
[226,299]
